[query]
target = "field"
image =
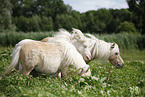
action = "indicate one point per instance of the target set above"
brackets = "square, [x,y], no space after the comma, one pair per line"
[127,82]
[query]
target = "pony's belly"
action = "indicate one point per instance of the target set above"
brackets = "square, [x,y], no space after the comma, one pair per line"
[49,63]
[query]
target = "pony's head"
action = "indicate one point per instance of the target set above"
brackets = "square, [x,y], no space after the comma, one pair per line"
[99,49]
[115,58]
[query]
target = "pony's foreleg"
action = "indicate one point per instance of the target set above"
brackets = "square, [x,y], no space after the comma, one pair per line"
[84,71]
[57,74]
[88,73]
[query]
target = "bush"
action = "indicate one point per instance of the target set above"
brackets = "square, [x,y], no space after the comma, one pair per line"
[66,21]
[46,24]
[141,42]
[5,15]
[126,27]
[34,23]
[21,23]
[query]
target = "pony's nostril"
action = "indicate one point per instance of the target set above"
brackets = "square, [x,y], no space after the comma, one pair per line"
[119,66]
[122,66]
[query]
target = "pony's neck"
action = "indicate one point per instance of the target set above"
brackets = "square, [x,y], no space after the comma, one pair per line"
[100,50]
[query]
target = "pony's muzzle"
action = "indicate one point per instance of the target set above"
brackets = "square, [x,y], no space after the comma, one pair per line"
[120,66]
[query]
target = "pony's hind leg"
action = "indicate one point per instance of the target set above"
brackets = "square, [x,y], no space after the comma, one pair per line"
[26,71]
[27,68]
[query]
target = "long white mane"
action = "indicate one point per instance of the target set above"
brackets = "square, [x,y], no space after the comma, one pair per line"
[98,48]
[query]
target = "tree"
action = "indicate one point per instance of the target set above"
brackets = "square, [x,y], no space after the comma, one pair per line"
[126,27]
[96,21]
[24,8]
[66,21]
[46,24]
[5,15]
[138,8]
[45,9]
[119,16]
[104,19]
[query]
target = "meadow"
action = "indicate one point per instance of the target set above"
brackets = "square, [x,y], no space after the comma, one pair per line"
[126,82]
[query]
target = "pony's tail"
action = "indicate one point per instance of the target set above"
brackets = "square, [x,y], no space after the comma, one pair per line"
[15,56]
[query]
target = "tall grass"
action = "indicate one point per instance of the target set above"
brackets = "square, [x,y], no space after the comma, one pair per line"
[124,40]
[12,38]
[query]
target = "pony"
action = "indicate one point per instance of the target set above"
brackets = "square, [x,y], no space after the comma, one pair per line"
[50,57]
[99,49]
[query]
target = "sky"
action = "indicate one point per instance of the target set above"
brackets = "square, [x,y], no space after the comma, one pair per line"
[86,5]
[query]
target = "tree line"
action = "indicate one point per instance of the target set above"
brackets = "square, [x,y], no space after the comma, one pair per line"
[48,15]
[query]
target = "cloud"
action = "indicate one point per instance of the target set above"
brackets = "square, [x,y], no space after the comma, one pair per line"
[85,5]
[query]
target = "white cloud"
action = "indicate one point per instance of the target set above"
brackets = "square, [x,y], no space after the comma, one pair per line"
[85,5]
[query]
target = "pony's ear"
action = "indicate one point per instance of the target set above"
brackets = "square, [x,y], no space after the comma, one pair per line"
[112,45]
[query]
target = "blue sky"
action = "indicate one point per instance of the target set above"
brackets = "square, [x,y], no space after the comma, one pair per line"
[85,5]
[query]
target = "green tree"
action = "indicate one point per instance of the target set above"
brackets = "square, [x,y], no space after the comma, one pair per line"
[66,21]
[46,23]
[5,15]
[47,10]
[119,16]
[23,8]
[21,23]
[138,8]
[126,27]
[96,21]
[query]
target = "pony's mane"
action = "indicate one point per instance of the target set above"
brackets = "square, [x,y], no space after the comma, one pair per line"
[94,38]
[103,48]
[63,35]
[90,36]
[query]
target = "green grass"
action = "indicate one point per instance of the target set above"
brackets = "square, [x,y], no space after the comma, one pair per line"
[134,55]
[126,82]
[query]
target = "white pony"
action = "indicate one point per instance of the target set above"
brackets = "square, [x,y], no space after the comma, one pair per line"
[99,49]
[48,58]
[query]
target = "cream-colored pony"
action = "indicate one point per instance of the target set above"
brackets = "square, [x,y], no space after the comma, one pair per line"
[99,49]
[48,58]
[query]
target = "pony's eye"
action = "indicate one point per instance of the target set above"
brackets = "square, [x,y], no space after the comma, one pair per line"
[116,53]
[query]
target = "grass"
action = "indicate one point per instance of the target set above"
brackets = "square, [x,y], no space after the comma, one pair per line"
[134,55]
[126,82]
